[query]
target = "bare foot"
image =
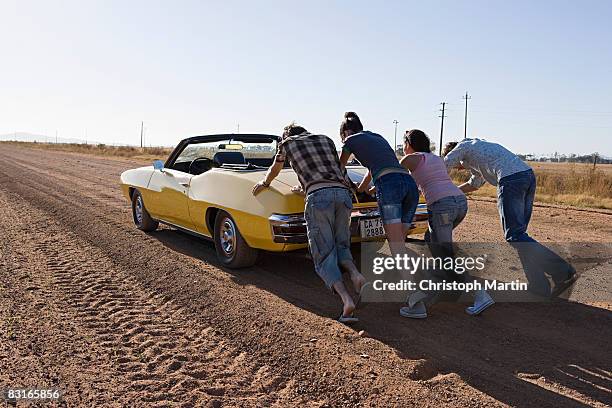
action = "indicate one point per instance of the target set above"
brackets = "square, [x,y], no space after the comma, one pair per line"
[348,308]
[358,281]
[348,305]
[357,278]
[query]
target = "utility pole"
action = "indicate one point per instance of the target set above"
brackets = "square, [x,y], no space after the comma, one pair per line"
[56,137]
[466,97]
[442,124]
[395,136]
[141,134]
[238,127]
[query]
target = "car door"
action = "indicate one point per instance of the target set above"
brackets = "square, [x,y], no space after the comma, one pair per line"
[170,197]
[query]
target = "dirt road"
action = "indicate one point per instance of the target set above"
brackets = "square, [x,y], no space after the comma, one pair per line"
[116,317]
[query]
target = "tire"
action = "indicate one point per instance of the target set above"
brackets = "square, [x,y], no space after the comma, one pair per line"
[232,249]
[142,219]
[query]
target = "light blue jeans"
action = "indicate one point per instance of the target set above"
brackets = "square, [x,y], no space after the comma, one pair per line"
[328,221]
[444,215]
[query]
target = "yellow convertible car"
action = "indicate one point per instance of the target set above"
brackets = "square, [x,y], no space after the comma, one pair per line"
[204,188]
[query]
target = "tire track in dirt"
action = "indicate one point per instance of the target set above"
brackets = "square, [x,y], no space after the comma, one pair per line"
[48,347]
[162,357]
[92,189]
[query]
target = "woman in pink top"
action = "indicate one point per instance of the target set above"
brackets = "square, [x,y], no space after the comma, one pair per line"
[447,207]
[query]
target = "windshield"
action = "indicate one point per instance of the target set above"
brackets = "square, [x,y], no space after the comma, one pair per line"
[251,151]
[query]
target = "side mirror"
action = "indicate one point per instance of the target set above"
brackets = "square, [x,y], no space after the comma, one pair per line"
[158,165]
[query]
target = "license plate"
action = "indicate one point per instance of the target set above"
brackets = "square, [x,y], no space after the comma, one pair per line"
[371,228]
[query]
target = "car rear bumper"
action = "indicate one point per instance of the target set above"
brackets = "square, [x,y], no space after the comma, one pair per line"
[291,228]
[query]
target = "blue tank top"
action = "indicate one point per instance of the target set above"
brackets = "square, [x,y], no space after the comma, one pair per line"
[374,152]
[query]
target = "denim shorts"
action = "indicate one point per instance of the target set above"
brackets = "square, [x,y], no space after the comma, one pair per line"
[398,196]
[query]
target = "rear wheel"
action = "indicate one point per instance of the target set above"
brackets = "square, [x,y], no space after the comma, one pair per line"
[142,219]
[232,249]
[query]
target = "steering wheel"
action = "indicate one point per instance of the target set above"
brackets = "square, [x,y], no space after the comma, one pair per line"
[200,165]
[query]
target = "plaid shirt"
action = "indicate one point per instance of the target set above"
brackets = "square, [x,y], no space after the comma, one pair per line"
[313,158]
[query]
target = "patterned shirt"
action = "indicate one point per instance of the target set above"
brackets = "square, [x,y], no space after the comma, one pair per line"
[487,161]
[314,159]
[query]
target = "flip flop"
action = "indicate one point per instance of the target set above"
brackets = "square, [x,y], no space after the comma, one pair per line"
[348,319]
[360,294]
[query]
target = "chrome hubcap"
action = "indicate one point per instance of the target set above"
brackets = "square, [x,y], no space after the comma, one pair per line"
[138,210]
[228,236]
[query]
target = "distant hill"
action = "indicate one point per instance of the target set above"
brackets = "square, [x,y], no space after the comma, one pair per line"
[23,137]
[32,137]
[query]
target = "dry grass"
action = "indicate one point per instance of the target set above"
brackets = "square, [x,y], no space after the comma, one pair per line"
[145,154]
[563,183]
[564,167]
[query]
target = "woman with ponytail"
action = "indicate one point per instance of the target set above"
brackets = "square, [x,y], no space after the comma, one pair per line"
[396,192]
[447,207]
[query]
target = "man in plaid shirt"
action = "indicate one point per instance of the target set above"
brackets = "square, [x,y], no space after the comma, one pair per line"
[328,207]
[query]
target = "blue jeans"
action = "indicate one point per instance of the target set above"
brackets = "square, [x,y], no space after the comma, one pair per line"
[398,196]
[328,221]
[515,194]
[444,215]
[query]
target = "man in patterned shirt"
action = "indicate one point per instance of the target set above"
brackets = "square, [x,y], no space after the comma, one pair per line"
[516,186]
[328,207]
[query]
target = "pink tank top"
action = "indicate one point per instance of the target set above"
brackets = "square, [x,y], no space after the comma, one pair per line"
[432,178]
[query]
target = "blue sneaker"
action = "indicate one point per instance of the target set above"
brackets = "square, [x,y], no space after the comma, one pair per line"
[482,301]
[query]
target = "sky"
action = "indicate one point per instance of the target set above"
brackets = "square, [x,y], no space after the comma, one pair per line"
[539,72]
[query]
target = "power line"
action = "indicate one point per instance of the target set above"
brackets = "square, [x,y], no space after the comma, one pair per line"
[442,125]
[466,98]
[395,135]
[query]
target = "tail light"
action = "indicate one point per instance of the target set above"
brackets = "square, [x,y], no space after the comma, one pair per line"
[288,228]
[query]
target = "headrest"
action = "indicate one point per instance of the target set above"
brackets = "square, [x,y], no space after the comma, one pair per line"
[221,158]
